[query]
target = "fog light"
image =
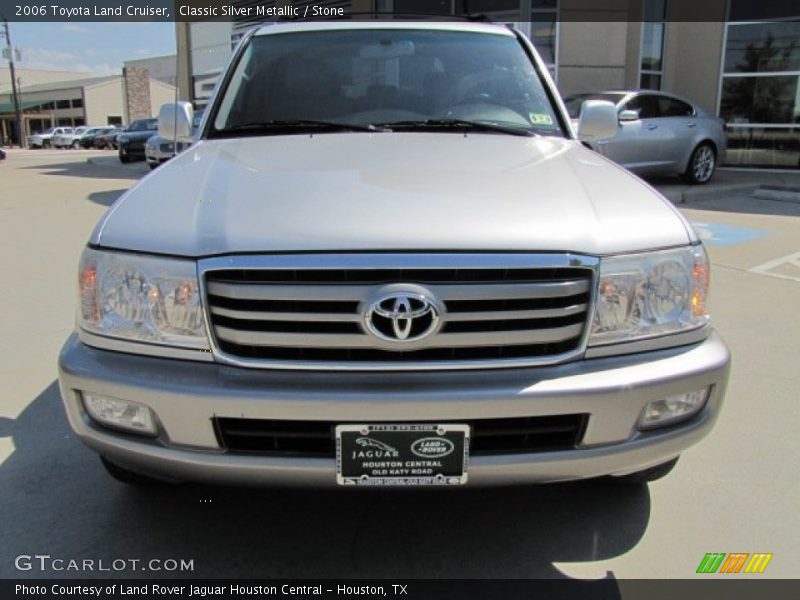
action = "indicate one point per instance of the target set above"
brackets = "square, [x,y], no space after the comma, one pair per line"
[666,411]
[121,414]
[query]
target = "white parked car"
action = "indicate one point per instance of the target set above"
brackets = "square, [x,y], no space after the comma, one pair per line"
[68,139]
[44,139]
[159,150]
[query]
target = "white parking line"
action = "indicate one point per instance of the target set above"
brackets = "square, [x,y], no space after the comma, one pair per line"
[791,260]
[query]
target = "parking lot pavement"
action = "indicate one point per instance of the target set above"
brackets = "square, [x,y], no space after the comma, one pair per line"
[735,492]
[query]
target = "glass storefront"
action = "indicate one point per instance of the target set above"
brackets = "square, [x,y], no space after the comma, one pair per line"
[760,88]
[651,63]
[541,25]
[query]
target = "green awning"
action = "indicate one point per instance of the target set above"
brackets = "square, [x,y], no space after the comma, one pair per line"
[8,107]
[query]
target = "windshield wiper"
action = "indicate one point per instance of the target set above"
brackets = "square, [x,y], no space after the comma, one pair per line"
[462,124]
[300,124]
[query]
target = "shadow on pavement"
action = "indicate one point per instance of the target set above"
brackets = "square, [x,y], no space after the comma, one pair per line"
[103,167]
[106,198]
[59,501]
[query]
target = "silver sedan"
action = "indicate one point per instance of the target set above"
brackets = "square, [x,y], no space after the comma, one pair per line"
[659,134]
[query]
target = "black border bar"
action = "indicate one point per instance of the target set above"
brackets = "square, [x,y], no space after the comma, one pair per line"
[712,588]
[310,10]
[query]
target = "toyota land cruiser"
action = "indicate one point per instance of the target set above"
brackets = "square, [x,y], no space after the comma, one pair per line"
[389,260]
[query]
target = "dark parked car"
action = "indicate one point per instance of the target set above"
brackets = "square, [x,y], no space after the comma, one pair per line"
[87,140]
[131,142]
[108,139]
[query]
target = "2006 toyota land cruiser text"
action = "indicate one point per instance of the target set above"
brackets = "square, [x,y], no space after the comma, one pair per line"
[388,260]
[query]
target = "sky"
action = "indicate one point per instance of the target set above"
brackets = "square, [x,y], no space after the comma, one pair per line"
[98,48]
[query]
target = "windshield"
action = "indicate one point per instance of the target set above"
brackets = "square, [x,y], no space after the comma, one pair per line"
[144,125]
[383,78]
[574,103]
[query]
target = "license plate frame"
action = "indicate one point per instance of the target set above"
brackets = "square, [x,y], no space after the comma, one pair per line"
[402,454]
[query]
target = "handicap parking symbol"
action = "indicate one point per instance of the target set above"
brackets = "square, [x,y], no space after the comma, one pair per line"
[715,234]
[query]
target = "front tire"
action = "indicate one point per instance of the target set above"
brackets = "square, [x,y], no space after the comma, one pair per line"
[646,475]
[702,164]
[123,157]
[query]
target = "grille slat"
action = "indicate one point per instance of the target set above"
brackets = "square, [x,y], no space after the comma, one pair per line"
[316,439]
[493,315]
[357,340]
[250,291]
[276,317]
[252,315]
[373,276]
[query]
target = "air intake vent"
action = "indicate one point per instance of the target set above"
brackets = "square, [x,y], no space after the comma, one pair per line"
[315,439]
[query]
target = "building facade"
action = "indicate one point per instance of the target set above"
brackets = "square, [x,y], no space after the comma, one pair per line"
[110,100]
[160,68]
[739,59]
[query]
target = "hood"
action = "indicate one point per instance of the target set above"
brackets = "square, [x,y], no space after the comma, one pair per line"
[390,191]
[138,136]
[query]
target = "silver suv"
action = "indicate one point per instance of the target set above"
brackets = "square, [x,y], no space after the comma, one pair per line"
[389,260]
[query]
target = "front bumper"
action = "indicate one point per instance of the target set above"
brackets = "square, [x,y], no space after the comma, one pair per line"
[133,149]
[156,157]
[186,395]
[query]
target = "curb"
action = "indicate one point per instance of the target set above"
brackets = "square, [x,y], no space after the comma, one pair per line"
[778,192]
[756,190]
[698,195]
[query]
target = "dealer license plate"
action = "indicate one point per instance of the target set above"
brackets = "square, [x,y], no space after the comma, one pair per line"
[402,454]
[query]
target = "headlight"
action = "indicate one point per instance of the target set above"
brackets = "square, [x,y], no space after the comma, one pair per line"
[650,294]
[141,298]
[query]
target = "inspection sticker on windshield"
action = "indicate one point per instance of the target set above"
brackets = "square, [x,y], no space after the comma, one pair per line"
[540,118]
[402,454]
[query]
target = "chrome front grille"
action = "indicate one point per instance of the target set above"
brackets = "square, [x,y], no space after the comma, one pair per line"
[308,311]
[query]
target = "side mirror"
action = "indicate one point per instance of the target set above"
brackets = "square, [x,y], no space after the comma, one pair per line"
[598,121]
[628,115]
[175,121]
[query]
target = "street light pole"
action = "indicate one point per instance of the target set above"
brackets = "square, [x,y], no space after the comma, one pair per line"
[17,109]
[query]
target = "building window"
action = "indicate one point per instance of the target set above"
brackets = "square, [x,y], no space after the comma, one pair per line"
[651,66]
[760,88]
[114,120]
[420,7]
[77,103]
[62,103]
[544,32]
[38,125]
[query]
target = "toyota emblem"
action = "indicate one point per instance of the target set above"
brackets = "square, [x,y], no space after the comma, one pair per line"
[402,317]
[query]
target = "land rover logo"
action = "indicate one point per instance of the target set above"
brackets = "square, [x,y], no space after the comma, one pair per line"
[402,317]
[432,447]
